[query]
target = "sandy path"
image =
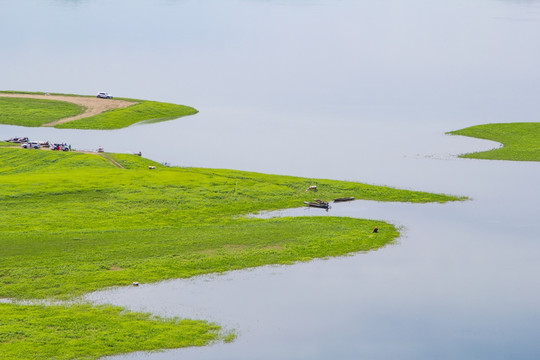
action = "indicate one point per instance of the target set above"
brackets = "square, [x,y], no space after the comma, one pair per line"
[93,106]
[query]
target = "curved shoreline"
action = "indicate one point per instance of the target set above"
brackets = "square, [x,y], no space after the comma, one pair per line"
[518,141]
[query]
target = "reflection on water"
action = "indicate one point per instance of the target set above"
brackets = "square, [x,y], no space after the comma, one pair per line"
[452,286]
[352,90]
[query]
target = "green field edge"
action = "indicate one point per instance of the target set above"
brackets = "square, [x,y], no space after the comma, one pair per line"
[83,331]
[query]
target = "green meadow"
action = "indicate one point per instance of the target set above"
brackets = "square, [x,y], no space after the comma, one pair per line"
[73,223]
[521,141]
[34,112]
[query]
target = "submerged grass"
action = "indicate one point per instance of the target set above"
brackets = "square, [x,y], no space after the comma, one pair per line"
[521,141]
[73,223]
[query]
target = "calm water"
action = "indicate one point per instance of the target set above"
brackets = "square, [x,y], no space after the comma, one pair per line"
[354,90]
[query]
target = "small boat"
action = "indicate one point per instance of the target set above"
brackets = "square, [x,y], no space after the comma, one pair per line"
[18,140]
[344,199]
[321,205]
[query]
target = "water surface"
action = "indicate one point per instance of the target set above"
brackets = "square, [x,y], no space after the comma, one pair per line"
[351,90]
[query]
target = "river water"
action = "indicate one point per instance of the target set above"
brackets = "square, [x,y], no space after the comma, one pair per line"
[351,90]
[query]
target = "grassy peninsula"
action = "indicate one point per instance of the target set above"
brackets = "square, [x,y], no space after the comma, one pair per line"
[73,223]
[143,111]
[42,111]
[521,141]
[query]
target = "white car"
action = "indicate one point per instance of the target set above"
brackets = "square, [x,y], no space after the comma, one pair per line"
[31,145]
[104,95]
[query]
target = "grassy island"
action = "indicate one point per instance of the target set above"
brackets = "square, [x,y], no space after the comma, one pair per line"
[521,141]
[83,112]
[74,223]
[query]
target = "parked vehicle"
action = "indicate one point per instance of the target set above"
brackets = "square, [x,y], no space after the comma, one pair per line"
[104,95]
[61,147]
[31,145]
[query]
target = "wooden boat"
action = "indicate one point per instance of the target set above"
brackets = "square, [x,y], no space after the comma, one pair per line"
[321,205]
[344,199]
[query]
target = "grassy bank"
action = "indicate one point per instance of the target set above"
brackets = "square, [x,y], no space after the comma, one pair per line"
[35,112]
[521,141]
[73,223]
[84,332]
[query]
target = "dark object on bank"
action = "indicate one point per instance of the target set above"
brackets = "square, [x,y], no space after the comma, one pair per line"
[376,230]
[317,204]
[344,199]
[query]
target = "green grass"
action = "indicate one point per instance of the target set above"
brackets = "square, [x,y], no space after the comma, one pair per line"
[85,332]
[34,112]
[143,111]
[521,141]
[73,223]
[69,218]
